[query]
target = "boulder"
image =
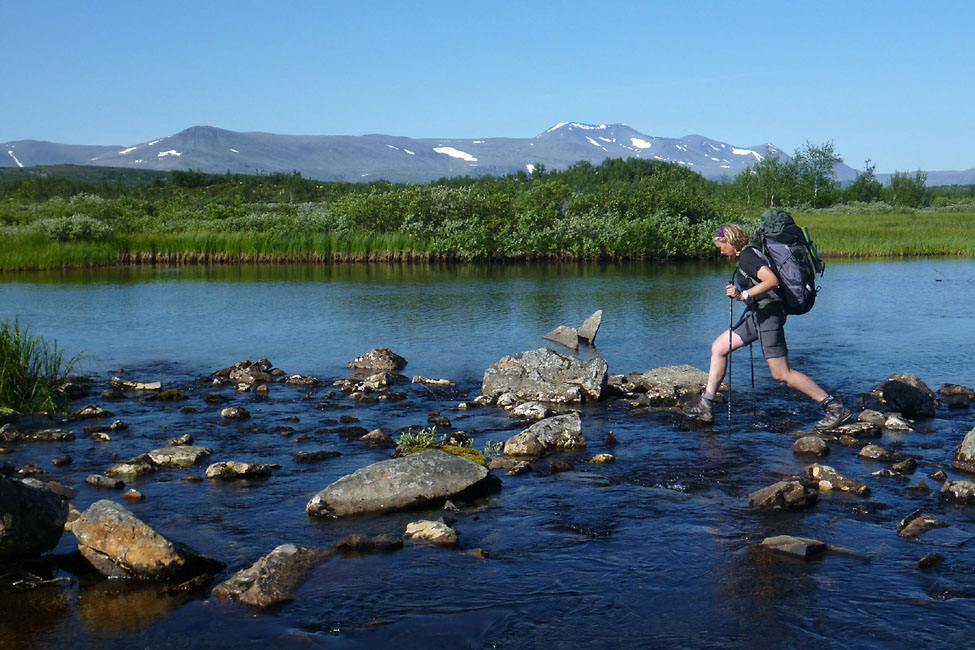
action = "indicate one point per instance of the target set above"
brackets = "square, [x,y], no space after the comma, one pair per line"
[828,480]
[871,416]
[530,411]
[92,411]
[895,422]
[907,394]
[232,470]
[432,531]
[183,440]
[119,544]
[546,376]
[427,477]
[378,359]
[958,492]
[272,579]
[858,430]
[98,480]
[668,385]
[138,466]
[795,546]
[181,455]
[318,454]
[567,336]
[247,374]
[876,452]
[378,437]
[784,495]
[587,331]
[554,434]
[31,519]
[235,413]
[964,457]
[810,446]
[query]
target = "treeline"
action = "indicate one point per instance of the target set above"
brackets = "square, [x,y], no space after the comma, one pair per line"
[633,209]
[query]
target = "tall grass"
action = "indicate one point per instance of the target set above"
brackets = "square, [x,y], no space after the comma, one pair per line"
[892,235]
[31,371]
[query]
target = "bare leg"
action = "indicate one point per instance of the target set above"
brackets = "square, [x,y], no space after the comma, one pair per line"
[782,371]
[719,359]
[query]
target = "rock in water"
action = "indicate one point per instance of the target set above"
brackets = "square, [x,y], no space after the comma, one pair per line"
[590,327]
[31,519]
[425,478]
[183,455]
[271,580]
[964,458]
[795,546]
[546,376]
[783,495]
[119,544]
[432,531]
[567,336]
[378,359]
[906,393]
[558,433]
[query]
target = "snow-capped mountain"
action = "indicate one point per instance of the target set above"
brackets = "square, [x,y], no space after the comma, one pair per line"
[399,159]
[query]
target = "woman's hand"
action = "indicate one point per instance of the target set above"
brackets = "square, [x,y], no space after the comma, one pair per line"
[732,291]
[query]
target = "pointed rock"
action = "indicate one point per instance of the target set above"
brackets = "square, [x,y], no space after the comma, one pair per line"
[795,546]
[590,327]
[272,579]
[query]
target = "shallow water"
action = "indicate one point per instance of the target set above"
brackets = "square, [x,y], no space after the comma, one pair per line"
[654,550]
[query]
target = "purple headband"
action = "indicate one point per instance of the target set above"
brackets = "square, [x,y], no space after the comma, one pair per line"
[719,232]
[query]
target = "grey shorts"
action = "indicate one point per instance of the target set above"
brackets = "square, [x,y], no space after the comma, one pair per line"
[769,329]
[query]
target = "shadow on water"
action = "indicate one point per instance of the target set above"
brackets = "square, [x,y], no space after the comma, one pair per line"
[656,549]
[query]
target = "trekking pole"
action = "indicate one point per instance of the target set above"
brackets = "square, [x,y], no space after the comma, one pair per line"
[731,324]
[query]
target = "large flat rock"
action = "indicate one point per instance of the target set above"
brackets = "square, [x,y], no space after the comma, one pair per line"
[413,481]
[545,375]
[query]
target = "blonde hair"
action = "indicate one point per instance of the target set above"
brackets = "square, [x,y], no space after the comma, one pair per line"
[733,235]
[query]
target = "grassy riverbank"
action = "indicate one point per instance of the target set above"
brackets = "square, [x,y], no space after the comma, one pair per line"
[837,235]
[621,210]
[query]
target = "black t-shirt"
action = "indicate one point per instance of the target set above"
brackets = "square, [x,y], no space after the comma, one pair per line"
[749,262]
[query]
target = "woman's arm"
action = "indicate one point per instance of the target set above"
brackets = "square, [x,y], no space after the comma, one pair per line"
[767,282]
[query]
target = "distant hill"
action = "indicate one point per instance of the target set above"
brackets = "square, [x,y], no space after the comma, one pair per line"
[83,173]
[402,159]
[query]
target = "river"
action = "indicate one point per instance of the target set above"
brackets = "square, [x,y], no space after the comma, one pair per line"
[654,550]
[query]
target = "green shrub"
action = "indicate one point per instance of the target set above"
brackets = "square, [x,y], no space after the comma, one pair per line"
[77,227]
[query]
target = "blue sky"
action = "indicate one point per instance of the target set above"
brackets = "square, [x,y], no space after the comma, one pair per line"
[889,81]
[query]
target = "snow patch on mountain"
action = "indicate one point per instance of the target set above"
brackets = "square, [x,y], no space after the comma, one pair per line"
[10,152]
[455,153]
[640,143]
[171,152]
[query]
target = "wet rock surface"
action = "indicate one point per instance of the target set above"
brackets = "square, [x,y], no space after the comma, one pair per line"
[272,579]
[118,544]
[31,519]
[412,481]
[551,435]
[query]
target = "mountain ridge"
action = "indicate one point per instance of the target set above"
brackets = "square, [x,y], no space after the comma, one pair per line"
[404,159]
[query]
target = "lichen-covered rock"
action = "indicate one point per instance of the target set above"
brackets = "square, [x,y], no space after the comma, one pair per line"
[529,411]
[829,480]
[544,375]
[235,413]
[907,394]
[871,416]
[138,466]
[119,544]
[964,456]
[668,385]
[958,492]
[858,430]
[272,579]
[810,446]
[181,455]
[554,434]
[876,452]
[378,359]
[432,531]
[425,478]
[31,519]
[92,411]
[784,495]
[232,470]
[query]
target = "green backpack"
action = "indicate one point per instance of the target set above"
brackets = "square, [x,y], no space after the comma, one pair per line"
[792,256]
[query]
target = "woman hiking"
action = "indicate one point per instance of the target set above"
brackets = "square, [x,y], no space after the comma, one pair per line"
[753,284]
